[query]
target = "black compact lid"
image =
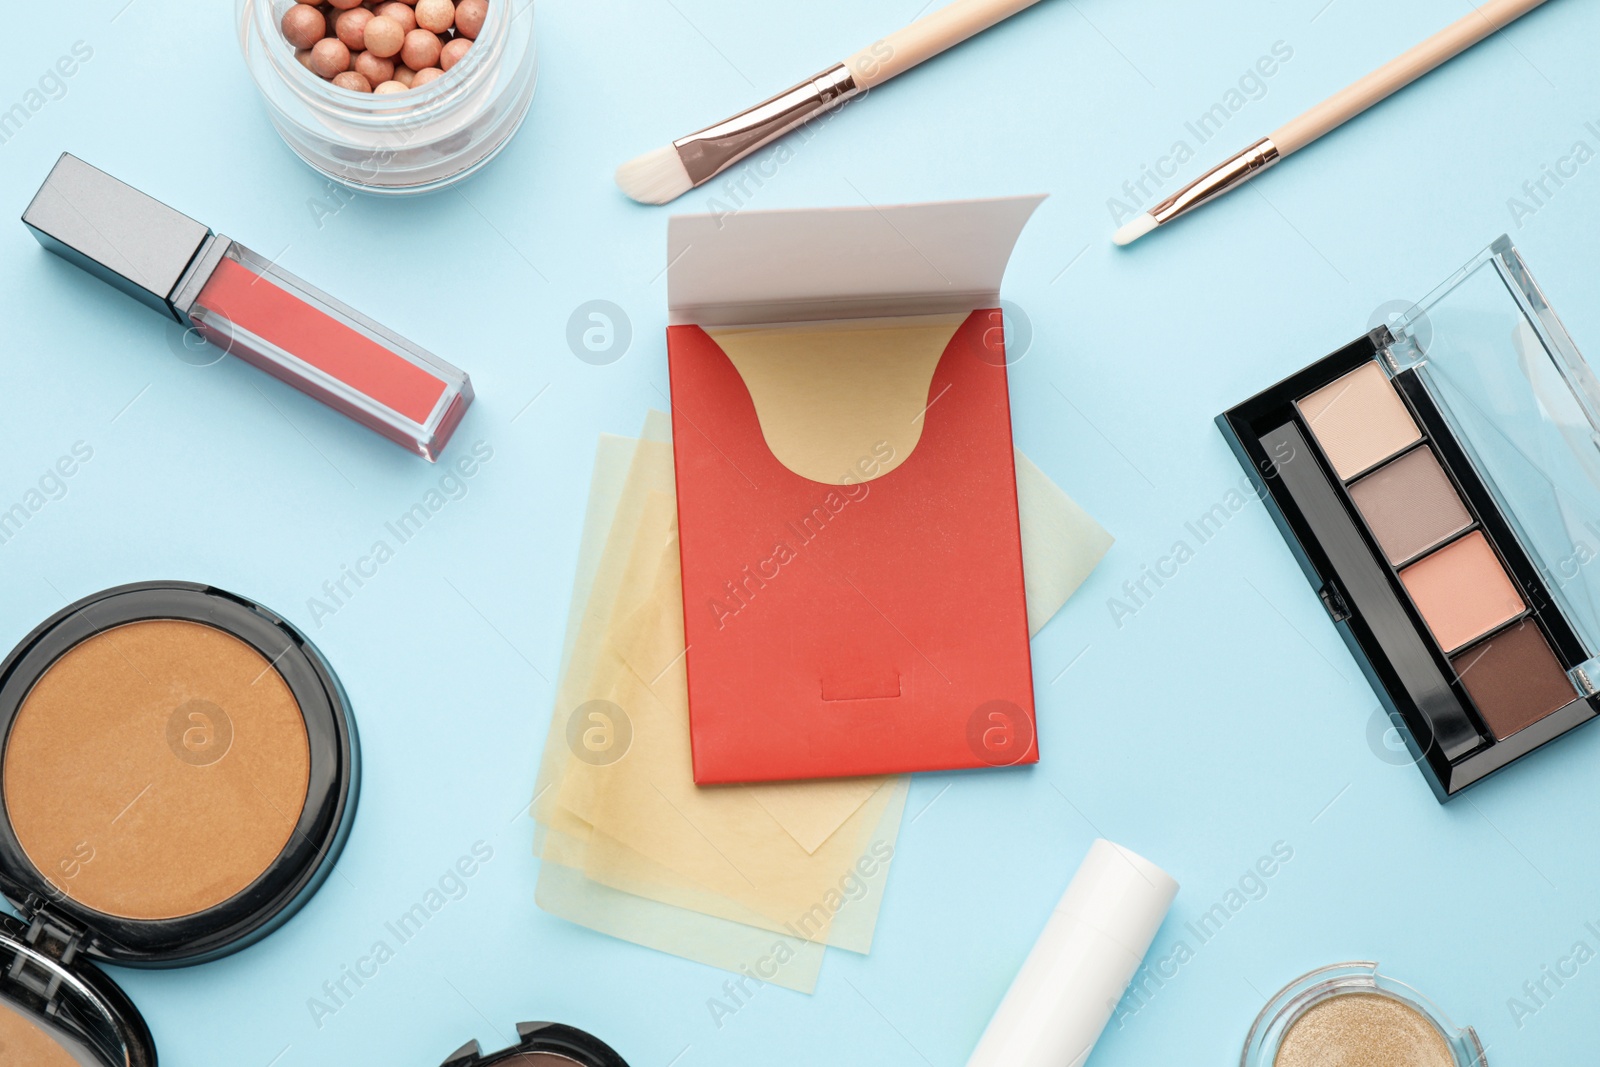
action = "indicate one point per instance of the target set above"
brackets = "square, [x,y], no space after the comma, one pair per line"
[554,1039]
[315,842]
[114,231]
[44,980]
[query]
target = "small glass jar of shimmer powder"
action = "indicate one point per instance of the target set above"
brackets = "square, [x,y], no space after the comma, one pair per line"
[1349,1014]
[178,775]
[541,1045]
[416,141]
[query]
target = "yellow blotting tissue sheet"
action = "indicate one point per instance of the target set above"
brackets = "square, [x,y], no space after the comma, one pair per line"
[755,879]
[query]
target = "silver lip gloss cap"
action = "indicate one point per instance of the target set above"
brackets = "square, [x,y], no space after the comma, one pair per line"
[115,232]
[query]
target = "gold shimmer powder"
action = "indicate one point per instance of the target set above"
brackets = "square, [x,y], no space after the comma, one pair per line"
[1363,1030]
[23,1042]
[156,769]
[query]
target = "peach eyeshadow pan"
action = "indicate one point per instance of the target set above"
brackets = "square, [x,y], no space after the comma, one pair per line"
[156,769]
[1462,591]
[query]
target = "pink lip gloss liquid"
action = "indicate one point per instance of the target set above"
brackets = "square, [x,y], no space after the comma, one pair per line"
[250,308]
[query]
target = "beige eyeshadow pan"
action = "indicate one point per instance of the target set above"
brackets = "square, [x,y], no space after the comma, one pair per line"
[110,785]
[1359,420]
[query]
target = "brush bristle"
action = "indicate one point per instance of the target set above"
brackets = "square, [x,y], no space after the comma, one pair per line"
[1134,230]
[655,177]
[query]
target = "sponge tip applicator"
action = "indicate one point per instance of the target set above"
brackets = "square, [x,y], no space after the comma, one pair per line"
[1132,231]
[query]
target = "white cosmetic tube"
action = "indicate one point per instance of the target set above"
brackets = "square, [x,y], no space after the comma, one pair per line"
[1061,1000]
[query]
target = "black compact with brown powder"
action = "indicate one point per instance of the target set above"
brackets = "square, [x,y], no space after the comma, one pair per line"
[178,776]
[541,1045]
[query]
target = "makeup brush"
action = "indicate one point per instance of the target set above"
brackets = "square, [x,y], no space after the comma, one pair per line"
[1332,113]
[667,173]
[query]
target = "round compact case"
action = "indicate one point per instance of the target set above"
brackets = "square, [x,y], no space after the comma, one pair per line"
[541,1045]
[1350,1013]
[178,775]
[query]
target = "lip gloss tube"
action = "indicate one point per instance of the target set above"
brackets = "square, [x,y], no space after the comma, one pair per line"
[243,303]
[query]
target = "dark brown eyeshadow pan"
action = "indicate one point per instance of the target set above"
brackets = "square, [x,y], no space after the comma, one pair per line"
[1514,679]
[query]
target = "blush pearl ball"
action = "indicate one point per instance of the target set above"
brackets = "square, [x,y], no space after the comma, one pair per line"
[352,81]
[329,57]
[351,27]
[375,70]
[436,15]
[304,25]
[421,49]
[384,37]
[453,52]
[394,9]
[469,17]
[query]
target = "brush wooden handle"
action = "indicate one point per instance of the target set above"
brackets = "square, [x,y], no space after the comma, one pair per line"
[927,37]
[1399,72]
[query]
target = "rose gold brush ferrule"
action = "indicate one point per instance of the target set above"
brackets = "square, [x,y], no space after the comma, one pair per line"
[1234,171]
[716,148]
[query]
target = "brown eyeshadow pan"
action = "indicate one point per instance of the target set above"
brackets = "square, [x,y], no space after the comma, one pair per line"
[1514,679]
[156,769]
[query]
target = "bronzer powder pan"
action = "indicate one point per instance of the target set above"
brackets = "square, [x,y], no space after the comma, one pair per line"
[1438,482]
[179,773]
[541,1045]
[244,763]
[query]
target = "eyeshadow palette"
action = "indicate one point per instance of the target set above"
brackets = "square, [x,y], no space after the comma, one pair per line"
[1438,483]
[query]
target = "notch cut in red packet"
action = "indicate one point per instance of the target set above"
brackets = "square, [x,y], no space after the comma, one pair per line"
[850,546]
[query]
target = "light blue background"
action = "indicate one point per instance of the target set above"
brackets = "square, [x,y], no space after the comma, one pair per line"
[1223,717]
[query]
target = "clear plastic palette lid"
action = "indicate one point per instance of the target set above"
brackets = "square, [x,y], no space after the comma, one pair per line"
[1525,407]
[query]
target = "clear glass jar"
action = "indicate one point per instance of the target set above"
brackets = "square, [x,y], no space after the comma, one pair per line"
[1301,996]
[397,143]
